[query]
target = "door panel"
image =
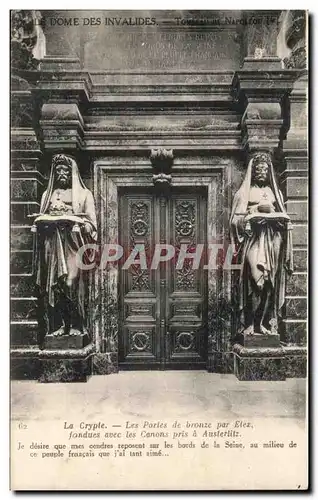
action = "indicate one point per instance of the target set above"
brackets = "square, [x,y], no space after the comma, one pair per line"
[186,286]
[138,289]
[162,311]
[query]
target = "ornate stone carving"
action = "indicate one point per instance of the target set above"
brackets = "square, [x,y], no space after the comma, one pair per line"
[162,161]
[297,59]
[261,231]
[23,39]
[295,36]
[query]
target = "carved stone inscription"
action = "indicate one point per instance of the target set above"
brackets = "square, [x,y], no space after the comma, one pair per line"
[144,49]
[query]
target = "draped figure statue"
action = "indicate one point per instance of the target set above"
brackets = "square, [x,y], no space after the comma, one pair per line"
[67,220]
[261,231]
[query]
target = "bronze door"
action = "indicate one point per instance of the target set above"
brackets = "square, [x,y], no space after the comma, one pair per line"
[162,308]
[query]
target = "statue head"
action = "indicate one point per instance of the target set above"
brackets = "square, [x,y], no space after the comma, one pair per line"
[260,169]
[62,166]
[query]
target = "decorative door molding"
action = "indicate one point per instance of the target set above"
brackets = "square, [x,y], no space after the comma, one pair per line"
[109,177]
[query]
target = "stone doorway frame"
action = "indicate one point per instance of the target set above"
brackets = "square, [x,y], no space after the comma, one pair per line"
[111,174]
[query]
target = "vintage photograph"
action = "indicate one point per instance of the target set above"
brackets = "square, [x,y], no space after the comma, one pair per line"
[158,236]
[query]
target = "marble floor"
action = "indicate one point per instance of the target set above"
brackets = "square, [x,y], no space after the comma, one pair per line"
[157,394]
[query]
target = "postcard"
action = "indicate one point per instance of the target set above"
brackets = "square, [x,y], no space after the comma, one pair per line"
[159,207]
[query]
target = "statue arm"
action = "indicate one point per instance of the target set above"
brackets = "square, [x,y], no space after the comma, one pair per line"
[89,210]
[281,196]
[237,224]
[42,199]
[279,201]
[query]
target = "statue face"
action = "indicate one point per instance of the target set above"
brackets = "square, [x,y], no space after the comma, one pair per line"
[260,172]
[63,175]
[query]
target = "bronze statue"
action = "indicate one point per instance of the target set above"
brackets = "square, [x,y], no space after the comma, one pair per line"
[67,220]
[261,230]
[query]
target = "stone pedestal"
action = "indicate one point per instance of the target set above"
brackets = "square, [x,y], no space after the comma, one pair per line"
[52,365]
[295,361]
[259,363]
[66,365]
[260,340]
[259,357]
[269,363]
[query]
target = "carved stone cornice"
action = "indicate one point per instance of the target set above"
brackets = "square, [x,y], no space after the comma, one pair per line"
[60,78]
[62,125]
[261,97]
[64,74]
[203,100]
[262,83]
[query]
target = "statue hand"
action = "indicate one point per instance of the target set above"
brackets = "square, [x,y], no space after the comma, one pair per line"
[248,230]
[87,228]
[266,208]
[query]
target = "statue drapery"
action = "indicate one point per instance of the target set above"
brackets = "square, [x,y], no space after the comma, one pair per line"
[265,247]
[62,285]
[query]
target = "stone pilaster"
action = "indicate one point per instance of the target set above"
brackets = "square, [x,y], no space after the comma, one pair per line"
[294,180]
[64,89]
[260,93]
[260,33]
[263,87]
[62,130]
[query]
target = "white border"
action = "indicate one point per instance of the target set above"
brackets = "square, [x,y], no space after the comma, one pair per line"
[4,199]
